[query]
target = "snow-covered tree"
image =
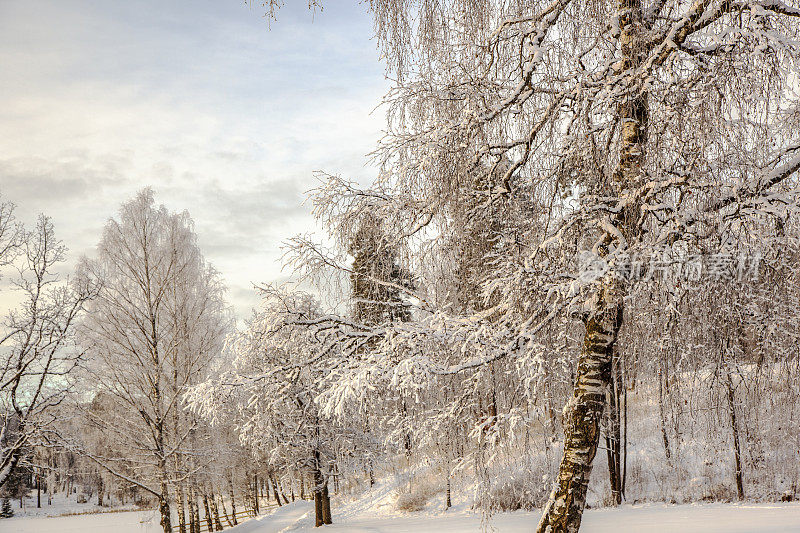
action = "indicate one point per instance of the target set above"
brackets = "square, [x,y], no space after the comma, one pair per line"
[272,390]
[154,329]
[37,352]
[614,130]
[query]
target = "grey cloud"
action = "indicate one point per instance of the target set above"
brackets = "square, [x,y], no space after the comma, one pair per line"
[37,181]
[250,218]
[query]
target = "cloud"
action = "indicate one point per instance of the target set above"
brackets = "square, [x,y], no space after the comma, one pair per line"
[45,181]
[222,116]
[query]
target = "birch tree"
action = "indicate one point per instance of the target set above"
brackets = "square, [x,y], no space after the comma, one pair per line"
[37,350]
[623,127]
[157,323]
[593,103]
[272,391]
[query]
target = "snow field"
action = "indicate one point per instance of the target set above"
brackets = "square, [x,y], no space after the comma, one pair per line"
[298,518]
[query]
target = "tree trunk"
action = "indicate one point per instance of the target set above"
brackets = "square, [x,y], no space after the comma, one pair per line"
[215,510]
[207,509]
[283,493]
[326,505]
[275,490]
[662,409]
[318,519]
[624,434]
[191,503]
[225,512]
[612,433]
[233,499]
[407,442]
[448,503]
[735,430]
[181,512]
[11,460]
[583,413]
[197,521]
[322,501]
[196,502]
[255,494]
[318,513]
[163,507]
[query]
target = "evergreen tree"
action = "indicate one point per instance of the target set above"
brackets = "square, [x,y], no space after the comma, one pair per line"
[6,511]
[377,278]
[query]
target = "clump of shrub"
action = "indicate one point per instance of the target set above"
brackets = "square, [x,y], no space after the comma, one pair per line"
[417,493]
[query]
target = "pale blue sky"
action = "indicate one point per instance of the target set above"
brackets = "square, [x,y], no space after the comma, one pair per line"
[221,112]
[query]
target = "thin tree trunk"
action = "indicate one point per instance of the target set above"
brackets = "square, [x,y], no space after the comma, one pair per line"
[735,430]
[583,414]
[336,479]
[624,435]
[233,499]
[255,494]
[190,511]
[275,490]
[225,512]
[193,525]
[612,438]
[197,521]
[181,512]
[661,409]
[207,509]
[407,442]
[448,502]
[215,510]
[283,493]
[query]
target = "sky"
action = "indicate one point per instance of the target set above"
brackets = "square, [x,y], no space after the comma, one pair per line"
[222,112]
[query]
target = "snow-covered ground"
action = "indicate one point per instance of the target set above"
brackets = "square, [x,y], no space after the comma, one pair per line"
[297,517]
[57,516]
[59,504]
[125,522]
[711,518]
